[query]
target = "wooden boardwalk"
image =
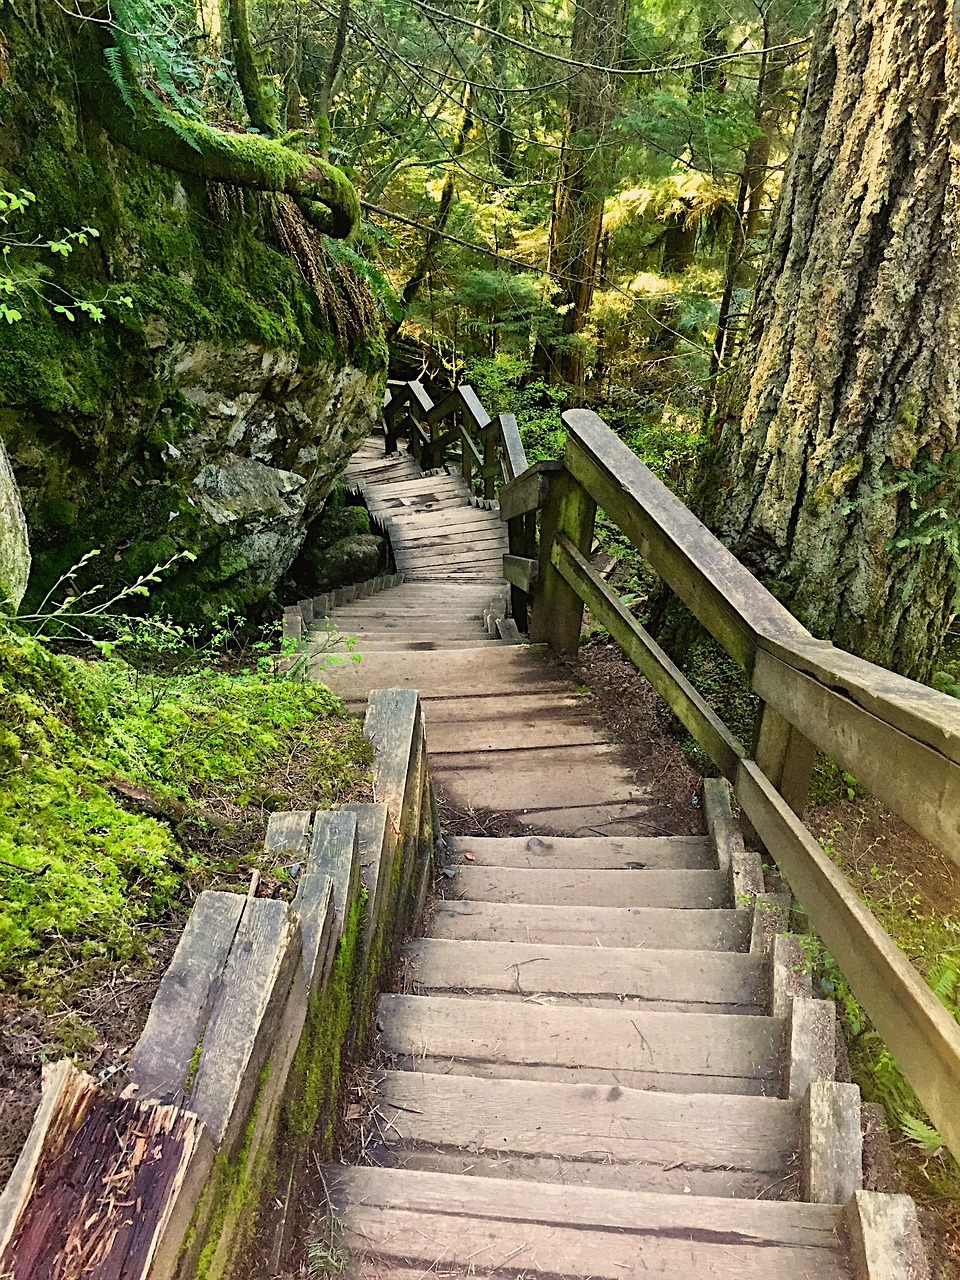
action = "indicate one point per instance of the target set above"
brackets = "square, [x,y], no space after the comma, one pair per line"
[507,730]
[607,1064]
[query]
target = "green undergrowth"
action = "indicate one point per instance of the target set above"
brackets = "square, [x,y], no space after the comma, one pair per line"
[123,792]
[894,890]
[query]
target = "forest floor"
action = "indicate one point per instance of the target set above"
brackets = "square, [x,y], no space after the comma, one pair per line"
[93,1009]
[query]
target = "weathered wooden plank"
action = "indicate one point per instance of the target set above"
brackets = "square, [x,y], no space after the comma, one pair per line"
[247,1011]
[627,853]
[713,584]
[785,756]
[569,513]
[506,731]
[456,674]
[521,571]
[419,396]
[514,456]
[161,1063]
[790,978]
[917,710]
[912,1022]
[885,1237]
[474,409]
[647,656]
[603,1234]
[288,833]
[527,492]
[924,788]
[391,724]
[376,858]
[569,887]
[89,1158]
[810,1044]
[831,1160]
[689,978]
[637,1132]
[713,930]
[736,1053]
[333,855]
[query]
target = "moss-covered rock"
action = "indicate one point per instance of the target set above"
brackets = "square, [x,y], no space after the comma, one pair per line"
[214,413]
[347,561]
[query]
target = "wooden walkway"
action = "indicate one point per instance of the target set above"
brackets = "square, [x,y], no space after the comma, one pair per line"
[607,1064]
[507,730]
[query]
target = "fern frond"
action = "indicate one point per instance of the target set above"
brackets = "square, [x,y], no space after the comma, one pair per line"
[923,1134]
[115,66]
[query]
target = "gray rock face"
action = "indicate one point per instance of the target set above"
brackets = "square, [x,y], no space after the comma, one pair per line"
[271,439]
[232,467]
[14,543]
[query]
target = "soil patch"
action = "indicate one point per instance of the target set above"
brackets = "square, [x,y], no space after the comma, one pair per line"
[641,722]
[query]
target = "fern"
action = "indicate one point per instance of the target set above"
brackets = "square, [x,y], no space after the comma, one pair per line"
[923,1134]
[155,49]
[379,284]
[115,66]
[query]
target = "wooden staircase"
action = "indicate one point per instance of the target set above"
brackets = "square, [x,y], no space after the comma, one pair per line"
[583,1089]
[608,1061]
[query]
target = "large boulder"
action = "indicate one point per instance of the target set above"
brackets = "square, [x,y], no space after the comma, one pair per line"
[234,372]
[347,561]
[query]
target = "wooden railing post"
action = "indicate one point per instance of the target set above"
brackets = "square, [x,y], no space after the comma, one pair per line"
[785,756]
[558,609]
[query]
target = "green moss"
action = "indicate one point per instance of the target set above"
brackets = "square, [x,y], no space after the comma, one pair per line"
[830,491]
[89,409]
[326,1041]
[235,1187]
[82,874]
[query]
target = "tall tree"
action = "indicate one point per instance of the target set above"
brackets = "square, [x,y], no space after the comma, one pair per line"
[583,178]
[835,475]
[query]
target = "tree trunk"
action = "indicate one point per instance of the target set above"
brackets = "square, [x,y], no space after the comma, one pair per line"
[582,180]
[258,93]
[324,193]
[855,342]
[738,274]
[434,236]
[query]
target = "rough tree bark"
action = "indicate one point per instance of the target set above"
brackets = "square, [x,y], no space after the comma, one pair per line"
[582,178]
[855,342]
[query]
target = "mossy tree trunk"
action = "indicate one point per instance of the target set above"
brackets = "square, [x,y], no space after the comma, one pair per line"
[855,344]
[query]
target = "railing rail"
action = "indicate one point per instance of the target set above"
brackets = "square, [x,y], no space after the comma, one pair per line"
[900,738]
[490,449]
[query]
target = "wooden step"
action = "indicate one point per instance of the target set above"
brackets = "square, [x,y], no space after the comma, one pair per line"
[626,853]
[591,1135]
[448,1225]
[647,927]
[677,1052]
[456,674]
[567,887]
[537,778]
[671,981]
[413,644]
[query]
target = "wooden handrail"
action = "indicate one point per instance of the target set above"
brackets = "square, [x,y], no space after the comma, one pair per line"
[497,459]
[899,737]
